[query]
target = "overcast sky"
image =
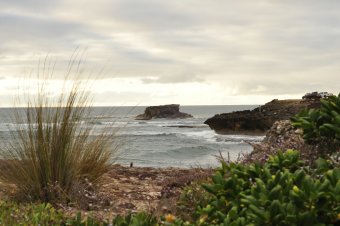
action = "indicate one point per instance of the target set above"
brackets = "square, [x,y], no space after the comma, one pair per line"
[191,52]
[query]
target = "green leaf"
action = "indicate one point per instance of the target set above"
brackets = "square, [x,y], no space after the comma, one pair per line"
[275,192]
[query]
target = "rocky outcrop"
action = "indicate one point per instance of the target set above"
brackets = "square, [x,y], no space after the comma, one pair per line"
[280,137]
[170,111]
[260,119]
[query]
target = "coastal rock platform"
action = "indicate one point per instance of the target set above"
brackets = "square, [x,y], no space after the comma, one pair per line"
[260,119]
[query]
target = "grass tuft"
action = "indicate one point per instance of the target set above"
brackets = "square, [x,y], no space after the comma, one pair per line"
[52,152]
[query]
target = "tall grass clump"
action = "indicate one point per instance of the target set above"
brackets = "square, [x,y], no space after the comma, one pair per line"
[52,153]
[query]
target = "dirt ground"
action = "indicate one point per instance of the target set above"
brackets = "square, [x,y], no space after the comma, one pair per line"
[147,189]
[126,190]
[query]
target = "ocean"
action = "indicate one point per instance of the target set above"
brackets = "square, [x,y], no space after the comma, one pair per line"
[161,142]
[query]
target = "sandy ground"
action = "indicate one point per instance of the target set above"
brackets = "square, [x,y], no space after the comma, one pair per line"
[126,190]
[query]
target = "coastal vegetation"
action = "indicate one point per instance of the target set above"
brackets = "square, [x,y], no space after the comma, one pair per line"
[45,214]
[321,127]
[51,156]
[282,190]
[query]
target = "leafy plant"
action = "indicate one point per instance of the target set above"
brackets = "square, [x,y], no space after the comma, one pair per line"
[29,214]
[321,127]
[140,219]
[192,196]
[52,152]
[44,214]
[280,192]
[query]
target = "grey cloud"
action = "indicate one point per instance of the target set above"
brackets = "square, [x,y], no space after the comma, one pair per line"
[177,78]
[141,56]
[151,13]
[121,98]
[28,29]
[37,6]
[263,47]
[288,85]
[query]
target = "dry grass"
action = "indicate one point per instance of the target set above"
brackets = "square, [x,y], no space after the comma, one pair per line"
[51,152]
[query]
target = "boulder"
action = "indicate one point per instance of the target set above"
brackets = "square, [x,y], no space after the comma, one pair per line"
[170,111]
[260,119]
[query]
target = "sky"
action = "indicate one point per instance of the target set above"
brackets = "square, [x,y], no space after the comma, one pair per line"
[189,52]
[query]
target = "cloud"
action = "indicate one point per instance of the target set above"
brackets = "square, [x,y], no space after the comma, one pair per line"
[256,47]
[185,78]
[28,6]
[30,32]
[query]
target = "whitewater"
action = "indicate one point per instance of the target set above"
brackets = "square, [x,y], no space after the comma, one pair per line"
[160,142]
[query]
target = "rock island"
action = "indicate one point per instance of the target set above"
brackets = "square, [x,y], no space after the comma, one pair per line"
[170,111]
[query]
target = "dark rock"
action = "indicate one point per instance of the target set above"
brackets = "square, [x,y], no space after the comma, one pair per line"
[170,111]
[260,119]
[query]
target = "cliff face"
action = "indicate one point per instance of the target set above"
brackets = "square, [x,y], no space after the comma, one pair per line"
[163,111]
[260,119]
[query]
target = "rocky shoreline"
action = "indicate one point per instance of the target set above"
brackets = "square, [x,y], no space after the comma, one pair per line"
[260,119]
[135,189]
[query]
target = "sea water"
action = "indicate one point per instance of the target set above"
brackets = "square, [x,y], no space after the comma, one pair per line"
[160,142]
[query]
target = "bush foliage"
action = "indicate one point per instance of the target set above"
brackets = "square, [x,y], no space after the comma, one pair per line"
[29,214]
[44,214]
[321,127]
[281,192]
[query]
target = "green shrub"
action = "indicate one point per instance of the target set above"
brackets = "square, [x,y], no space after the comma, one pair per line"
[192,196]
[44,214]
[280,192]
[139,219]
[321,127]
[29,214]
[52,153]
